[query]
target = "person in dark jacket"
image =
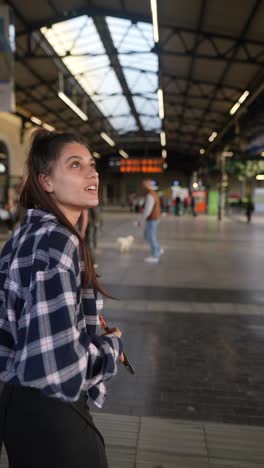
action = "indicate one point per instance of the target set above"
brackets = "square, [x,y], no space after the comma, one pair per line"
[249,209]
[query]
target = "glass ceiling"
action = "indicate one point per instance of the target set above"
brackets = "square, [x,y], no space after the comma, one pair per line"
[95,74]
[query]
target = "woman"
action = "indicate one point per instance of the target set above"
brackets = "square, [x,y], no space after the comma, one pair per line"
[52,353]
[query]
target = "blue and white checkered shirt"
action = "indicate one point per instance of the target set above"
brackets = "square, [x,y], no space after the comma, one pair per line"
[49,326]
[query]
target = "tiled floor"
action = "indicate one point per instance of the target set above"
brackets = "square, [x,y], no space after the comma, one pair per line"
[193,327]
[154,442]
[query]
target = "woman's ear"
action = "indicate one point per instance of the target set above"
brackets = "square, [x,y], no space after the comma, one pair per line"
[45,183]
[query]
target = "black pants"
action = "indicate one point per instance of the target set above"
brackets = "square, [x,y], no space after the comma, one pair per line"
[42,432]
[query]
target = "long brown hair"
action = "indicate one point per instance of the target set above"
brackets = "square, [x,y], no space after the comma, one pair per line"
[45,150]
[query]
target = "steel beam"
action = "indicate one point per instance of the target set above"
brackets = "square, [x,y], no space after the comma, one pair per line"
[106,38]
[123,13]
[258,60]
[246,27]
[194,52]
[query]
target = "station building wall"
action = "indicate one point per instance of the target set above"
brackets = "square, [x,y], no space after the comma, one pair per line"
[10,135]
[16,143]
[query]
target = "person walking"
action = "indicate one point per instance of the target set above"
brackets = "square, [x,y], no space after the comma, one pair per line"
[249,209]
[192,204]
[54,358]
[151,216]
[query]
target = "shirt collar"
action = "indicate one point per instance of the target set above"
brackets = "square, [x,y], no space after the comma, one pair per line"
[38,216]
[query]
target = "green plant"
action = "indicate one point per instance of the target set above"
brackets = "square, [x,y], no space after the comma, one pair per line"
[243,170]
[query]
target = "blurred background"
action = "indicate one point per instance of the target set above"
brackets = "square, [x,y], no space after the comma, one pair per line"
[172,91]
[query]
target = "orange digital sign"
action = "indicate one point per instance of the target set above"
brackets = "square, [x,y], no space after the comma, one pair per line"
[142,165]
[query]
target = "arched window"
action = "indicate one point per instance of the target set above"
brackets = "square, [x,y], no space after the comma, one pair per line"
[4,173]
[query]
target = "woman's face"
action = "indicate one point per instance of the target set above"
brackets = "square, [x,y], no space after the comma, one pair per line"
[73,182]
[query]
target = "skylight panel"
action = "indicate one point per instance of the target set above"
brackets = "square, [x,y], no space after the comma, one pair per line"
[140,82]
[92,68]
[94,72]
[135,61]
[113,105]
[134,43]
[151,123]
[124,124]
[147,106]
[128,36]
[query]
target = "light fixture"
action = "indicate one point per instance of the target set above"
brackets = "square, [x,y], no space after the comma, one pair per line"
[154,11]
[164,153]
[2,168]
[262,154]
[48,127]
[212,137]
[96,155]
[236,106]
[123,154]
[243,97]
[195,185]
[202,151]
[260,177]
[107,139]
[162,138]
[35,120]
[165,165]
[73,106]
[161,104]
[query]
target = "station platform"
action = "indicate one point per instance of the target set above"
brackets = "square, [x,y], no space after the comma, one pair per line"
[193,328]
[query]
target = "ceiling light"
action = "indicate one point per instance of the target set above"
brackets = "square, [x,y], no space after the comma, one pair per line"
[2,168]
[195,185]
[48,127]
[162,138]
[164,153]
[107,139]
[243,97]
[73,106]
[202,151]
[260,177]
[212,137]
[96,155]
[234,108]
[123,154]
[154,11]
[35,120]
[161,104]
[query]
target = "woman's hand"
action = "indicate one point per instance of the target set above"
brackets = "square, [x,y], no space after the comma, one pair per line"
[113,331]
[118,333]
[122,358]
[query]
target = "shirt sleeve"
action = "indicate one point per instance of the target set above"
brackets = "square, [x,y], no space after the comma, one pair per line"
[149,205]
[56,353]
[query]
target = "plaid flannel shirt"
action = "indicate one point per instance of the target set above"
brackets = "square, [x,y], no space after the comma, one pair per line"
[49,326]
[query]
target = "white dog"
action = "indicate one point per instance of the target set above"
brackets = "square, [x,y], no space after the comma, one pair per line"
[125,243]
